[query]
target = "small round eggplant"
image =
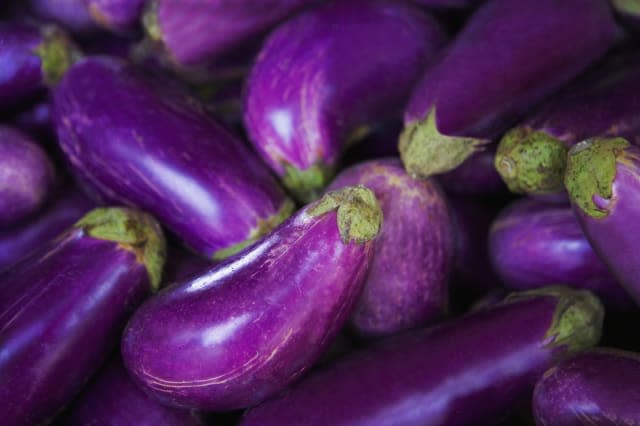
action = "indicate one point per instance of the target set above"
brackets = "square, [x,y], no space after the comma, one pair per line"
[116,15]
[407,284]
[245,329]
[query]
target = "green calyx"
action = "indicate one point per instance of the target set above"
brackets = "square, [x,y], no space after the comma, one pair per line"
[591,168]
[57,53]
[425,151]
[263,227]
[359,213]
[133,230]
[631,7]
[306,185]
[531,162]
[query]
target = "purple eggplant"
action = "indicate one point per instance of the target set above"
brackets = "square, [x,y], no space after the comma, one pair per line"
[603,182]
[605,102]
[116,15]
[407,285]
[598,387]
[71,14]
[63,307]
[136,141]
[347,65]
[509,56]
[470,371]
[476,176]
[26,176]
[535,244]
[242,331]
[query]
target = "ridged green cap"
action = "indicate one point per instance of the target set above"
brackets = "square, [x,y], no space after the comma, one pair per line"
[306,185]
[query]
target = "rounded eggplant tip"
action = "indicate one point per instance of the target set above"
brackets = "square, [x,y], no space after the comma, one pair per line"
[591,168]
[307,185]
[531,162]
[57,53]
[135,231]
[359,212]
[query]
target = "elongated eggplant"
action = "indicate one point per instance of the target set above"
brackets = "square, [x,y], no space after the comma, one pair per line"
[407,285]
[498,67]
[476,176]
[26,176]
[247,328]
[603,182]
[116,15]
[470,371]
[301,116]
[598,387]
[71,14]
[62,308]
[138,142]
[605,102]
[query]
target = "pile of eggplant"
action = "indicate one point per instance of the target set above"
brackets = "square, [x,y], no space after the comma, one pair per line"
[319,213]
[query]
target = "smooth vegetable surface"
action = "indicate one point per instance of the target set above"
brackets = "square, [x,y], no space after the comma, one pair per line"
[72,14]
[117,15]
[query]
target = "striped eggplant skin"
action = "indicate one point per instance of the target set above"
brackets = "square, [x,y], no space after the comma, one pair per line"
[62,309]
[116,15]
[598,387]
[324,76]
[534,244]
[469,371]
[248,327]
[408,281]
[497,68]
[138,142]
[26,176]
[71,14]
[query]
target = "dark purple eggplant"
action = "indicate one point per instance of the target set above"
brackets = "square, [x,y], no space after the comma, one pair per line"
[63,307]
[245,329]
[117,15]
[408,281]
[598,387]
[71,14]
[138,142]
[470,371]
[324,76]
[476,176]
[508,57]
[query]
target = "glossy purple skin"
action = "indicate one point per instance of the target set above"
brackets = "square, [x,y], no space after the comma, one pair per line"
[244,330]
[113,399]
[116,15]
[26,176]
[508,57]
[408,281]
[476,176]
[139,144]
[72,14]
[533,244]
[469,371]
[600,387]
[312,84]
[61,312]
[62,212]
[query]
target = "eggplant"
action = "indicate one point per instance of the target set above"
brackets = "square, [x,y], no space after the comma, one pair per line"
[534,244]
[605,102]
[469,371]
[598,387]
[475,177]
[63,307]
[138,142]
[500,65]
[300,117]
[116,15]
[26,176]
[408,281]
[245,329]
[71,14]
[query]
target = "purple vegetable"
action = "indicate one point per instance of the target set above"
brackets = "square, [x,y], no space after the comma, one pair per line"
[247,328]
[469,371]
[598,387]
[509,56]
[326,75]
[72,14]
[603,182]
[26,176]
[476,176]
[137,142]
[116,15]
[63,308]
[407,285]
[535,244]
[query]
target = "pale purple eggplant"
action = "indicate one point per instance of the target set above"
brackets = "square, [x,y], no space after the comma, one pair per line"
[475,177]
[26,176]
[137,141]
[603,182]
[116,15]
[534,244]
[470,371]
[408,281]
[63,307]
[245,329]
[71,14]
[508,57]
[598,387]
[532,157]
[324,76]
